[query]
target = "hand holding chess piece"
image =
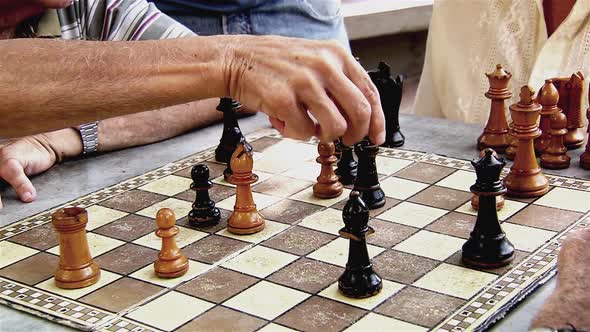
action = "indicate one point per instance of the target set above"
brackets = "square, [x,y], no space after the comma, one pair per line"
[171,263]
[76,267]
[488,246]
[245,219]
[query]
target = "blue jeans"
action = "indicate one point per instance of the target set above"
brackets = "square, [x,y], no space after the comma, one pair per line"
[311,19]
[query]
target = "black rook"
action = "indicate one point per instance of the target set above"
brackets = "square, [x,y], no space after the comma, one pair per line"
[367,180]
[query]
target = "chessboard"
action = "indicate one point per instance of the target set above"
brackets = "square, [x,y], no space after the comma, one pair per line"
[284,278]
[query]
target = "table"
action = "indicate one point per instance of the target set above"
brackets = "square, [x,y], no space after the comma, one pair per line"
[72,179]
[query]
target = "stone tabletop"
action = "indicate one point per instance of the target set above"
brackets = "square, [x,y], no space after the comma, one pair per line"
[73,179]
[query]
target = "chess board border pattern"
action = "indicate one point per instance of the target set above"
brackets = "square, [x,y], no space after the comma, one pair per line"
[498,297]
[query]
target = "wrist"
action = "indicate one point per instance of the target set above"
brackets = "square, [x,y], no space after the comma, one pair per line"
[65,143]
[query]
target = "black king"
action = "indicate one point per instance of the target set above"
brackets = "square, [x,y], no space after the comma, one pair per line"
[358,280]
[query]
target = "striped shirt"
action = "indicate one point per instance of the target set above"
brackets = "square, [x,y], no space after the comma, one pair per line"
[118,20]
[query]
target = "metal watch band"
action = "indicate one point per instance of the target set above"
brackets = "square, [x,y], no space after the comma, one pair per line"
[89,134]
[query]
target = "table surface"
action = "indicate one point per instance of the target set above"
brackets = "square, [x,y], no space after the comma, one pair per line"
[73,179]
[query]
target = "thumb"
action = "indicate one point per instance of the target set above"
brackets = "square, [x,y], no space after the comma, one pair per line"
[13,173]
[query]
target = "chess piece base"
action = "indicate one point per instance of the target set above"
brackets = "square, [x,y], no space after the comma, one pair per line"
[395,140]
[585,160]
[347,176]
[487,252]
[227,173]
[499,202]
[206,217]
[244,223]
[574,138]
[78,278]
[374,198]
[555,162]
[534,185]
[171,269]
[327,190]
[360,283]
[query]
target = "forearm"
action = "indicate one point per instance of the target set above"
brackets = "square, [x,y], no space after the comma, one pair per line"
[51,84]
[153,126]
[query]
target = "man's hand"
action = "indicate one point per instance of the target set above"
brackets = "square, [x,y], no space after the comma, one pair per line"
[286,78]
[25,157]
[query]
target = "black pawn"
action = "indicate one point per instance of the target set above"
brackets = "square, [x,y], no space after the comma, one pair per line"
[232,134]
[358,280]
[204,212]
[347,166]
[390,91]
[367,180]
[488,246]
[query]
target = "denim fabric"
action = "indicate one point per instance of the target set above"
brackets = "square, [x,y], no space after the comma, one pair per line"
[189,6]
[312,19]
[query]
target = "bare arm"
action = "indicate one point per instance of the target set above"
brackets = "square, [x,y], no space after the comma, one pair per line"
[51,84]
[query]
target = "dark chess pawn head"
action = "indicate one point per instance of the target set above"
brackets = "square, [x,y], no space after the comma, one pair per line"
[204,212]
[359,280]
[488,246]
[347,166]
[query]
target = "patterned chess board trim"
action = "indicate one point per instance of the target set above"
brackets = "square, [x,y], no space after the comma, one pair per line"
[67,311]
[491,303]
[125,325]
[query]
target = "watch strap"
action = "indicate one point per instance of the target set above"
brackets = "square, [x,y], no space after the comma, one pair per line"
[89,134]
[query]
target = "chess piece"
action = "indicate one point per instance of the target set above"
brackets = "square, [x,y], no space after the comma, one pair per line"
[390,92]
[585,156]
[204,212]
[525,178]
[487,246]
[245,218]
[328,185]
[499,199]
[227,172]
[338,149]
[495,134]
[76,267]
[347,166]
[367,179]
[555,155]
[359,280]
[548,98]
[232,135]
[513,147]
[574,137]
[171,263]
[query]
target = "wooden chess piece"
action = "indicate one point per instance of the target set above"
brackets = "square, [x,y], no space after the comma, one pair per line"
[548,98]
[487,246]
[499,199]
[232,134]
[367,179]
[555,155]
[585,156]
[328,185]
[171,263]
[359,280]
[513,147]
[245,219]
[76,267]
[496,134]
[575,115]
[390,93]
[204,212]
[525,178]
[347,166]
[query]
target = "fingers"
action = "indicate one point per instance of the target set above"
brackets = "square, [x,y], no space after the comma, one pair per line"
[277,124]
[362,81]
[354,107]
[13,173]
[332,122]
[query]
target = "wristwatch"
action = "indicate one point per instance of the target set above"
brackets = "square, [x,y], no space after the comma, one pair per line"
[89,134]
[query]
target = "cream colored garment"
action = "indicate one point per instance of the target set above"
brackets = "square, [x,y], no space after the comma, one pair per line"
[467,38]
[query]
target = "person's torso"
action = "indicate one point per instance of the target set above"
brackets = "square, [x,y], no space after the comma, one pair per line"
[180,7]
